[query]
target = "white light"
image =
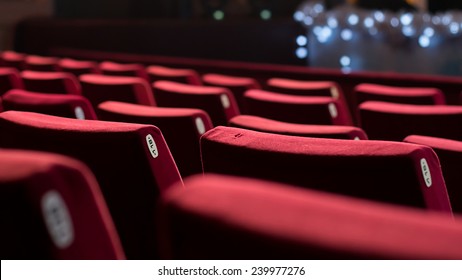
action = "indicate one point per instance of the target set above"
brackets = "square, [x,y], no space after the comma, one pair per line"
[308,20]
[218,15]
[379,16]
[436,20]
[326,32]
[301,53]
[345,61]
[368,22]
[394,22]
[332,22]
[346,34]
[454,28]
[318,8]
[424,41]
[265,14]
[406,19]
[302,40]
[446,20]
[317,30]
[346,70]
[353,19]
[429,32]
[408,31]
[299,15]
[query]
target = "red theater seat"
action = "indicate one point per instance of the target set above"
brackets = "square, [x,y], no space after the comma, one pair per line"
[130,70]
[41,63]
[310,88]
[406,95]
[185,76]
[392,172]
[304,130]
[295,109]
[218,103]
[131,162]
[12,59]
[51,82]
[100,88]
[182,129]
[390,121]
[78,67]
[218,217]
[52,208]
[9,79]
[63,105]
[450,155]
[237,85]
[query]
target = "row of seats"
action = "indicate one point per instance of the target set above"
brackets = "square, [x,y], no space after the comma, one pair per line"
[398,173]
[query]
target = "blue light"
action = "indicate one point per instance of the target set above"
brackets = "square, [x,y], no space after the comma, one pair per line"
[324,35]
[446,20]
[429,32]
[332,22]
[318,8]
[353,19]
[379,16]
[345,61]
[424,41]
[308,20]
[302,40]
[394,22]
[301,53]
[373,31]
[368,22]
[317,30]
[436,20]
[406,19]
[408,31]
[346,34]
[299,15]
[454,28]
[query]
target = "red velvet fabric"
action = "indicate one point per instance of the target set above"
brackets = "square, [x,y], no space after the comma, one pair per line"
[182,129]
[378,170]
[219,103]
[450,155]
[390,121]
[40,63]
[12,59]
[32,184]
[9,79]
[296,109]
[51,82]
[122,69]
[237,85]
[78,67]
[304,130]
[100,88]
[132,174]
[185,76]
[406,95]
[220,217]
[62,105]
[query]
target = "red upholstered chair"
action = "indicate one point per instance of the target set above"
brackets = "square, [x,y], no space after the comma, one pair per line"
[52,208]
[266,220]
[131,162]
[51,82]
[296,109]
[310,88]
[237,85]
[392,172]
[63,105]
[9,79]
[12,59]
[122,69]
[405,95]
[41,63]
[100,88]
[450,155]
[182,128]
[185,76]
[305,130]
[78,67]
[390,121]
[218,103]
